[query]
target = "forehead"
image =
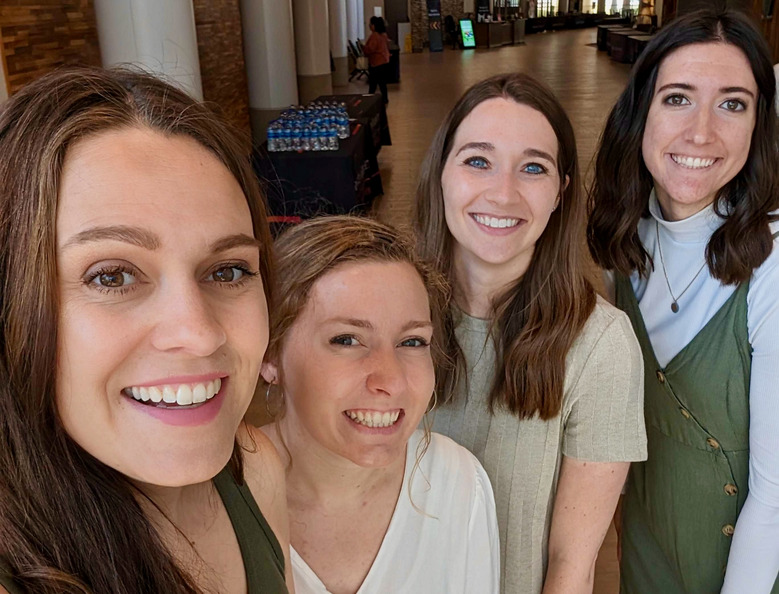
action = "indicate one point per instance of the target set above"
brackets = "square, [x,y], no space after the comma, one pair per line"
[504,120]
[370,290]
[716,65]
[143,178]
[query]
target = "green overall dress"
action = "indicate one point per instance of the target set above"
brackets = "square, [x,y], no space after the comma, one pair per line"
[681,505]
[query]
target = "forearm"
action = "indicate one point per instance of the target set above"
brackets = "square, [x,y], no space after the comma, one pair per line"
[573,575]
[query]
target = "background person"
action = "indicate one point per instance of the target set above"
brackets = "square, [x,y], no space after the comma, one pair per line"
[376,48]
[683,211]
[375,504]
[547,391]
[136,267]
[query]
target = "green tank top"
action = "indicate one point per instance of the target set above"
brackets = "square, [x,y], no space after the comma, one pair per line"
[263,558]
[681,505]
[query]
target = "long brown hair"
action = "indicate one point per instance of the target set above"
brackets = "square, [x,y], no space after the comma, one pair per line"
[69,523]
[538,317]
[619,195]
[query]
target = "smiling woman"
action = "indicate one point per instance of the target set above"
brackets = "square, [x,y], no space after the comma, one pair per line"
[684,206]
[130,355]
[375,504]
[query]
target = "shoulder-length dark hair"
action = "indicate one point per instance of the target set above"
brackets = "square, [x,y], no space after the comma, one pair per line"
[620,191]
[69,523]
[537,319]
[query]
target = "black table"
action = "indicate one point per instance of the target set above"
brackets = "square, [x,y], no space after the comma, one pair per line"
[369,110]
[636,45]
[304,184]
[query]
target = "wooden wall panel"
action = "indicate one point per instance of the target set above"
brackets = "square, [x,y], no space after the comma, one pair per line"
[37,36]
[770,26]
[222,67]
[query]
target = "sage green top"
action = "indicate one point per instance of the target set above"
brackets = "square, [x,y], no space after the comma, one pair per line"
[601,420]
[263,558]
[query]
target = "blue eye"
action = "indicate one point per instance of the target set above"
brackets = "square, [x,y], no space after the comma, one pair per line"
[477,162]
[416,341]
[535,168]
[344,340]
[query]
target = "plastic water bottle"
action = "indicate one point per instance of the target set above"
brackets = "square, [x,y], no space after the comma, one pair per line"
[332,139]
[306,140]
[297,139]
[343,126]
[323,138]
[316,145]
[272,148]
[286,137]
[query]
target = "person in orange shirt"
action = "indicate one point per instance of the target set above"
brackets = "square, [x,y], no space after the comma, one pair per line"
[376,49]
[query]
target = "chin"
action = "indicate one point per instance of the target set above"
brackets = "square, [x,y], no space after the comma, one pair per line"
[189,466]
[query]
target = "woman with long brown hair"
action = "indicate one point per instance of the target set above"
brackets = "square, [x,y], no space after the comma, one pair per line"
[547,387]
[684,216]
[136,270]
[376,504]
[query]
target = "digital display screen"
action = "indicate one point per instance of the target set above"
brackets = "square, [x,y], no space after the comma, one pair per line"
[466,31]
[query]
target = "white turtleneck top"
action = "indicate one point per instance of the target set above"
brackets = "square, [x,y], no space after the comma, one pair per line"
[754,556]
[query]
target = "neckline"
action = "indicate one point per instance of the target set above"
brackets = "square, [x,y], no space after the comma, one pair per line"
[694,229]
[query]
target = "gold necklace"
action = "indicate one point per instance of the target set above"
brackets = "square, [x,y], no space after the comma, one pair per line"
[675,302]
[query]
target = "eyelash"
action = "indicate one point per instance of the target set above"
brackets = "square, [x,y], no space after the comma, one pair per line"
[422,343]
[89,279]
[667,100]
[472,162]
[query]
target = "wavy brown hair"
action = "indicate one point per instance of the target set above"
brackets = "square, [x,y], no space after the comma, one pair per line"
[619,195]
[538,317]
[69,523]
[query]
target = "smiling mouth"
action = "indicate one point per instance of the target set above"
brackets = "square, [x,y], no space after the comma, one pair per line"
[692,162]
[374,418]
[175,395]
[495,222]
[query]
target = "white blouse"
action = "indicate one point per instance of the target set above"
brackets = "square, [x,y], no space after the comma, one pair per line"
[754,556]
[448,544]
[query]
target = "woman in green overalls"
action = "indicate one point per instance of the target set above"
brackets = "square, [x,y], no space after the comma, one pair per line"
[684,211]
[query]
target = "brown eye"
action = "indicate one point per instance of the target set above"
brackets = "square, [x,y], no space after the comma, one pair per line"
[111,279]
[225,275]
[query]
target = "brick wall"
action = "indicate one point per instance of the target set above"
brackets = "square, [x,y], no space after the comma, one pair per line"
[418,17]
[222,68]
[37,36]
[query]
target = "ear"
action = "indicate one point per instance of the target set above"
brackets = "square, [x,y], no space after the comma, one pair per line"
[565,184]
[269,372]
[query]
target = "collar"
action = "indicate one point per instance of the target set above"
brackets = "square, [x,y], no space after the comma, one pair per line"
[695,229]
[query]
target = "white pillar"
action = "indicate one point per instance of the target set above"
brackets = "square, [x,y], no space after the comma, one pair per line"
[337,19]
[312,48]
[269,54]
[352,20]
[158,36]
[361,30]
[3,80]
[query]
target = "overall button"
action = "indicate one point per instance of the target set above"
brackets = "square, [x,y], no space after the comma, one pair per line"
[713,443]
[731,489]
[728,530]
[660,377]
[685,413]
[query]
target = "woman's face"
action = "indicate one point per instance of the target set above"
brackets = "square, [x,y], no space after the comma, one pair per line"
[500,185]
[163,321]
[356,367]
[699,127]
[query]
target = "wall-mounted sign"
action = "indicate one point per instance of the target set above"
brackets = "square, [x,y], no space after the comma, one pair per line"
[466,32]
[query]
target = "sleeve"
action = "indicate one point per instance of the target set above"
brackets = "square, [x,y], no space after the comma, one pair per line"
[606,421]
[753,563]
[483,539]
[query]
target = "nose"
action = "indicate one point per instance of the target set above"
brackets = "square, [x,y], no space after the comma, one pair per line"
[185,321]
[504,188]
[386,374]
[701,127]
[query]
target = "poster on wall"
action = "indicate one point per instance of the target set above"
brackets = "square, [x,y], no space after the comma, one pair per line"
[434,26]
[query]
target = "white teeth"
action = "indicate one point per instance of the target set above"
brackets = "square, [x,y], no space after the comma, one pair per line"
[182,394]
[495,223]
[374,419]
[692,162]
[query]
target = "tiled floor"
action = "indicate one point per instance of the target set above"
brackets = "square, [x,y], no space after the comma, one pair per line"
[586,81]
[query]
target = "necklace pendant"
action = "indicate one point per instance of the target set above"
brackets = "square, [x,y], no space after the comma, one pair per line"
[675,307]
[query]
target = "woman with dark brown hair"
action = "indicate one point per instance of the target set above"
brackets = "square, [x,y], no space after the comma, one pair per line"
[684,216]
[136,270]
[547,389]
[375,503]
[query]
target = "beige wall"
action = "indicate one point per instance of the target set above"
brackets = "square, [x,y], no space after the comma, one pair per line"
[368,13]
[3,82]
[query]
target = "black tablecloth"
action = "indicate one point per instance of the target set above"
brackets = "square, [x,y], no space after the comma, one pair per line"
[370,111]
[305,184]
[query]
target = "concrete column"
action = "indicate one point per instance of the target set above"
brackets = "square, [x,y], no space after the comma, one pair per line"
[363,31]
[3,79]
[337,18]
[158,36]
[269,54]
[312,48]
[562,6]
[352,20]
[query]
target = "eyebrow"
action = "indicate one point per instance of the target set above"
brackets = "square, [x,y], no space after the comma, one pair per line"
[488,146]
[368,326]
[150,241]
[689,87]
